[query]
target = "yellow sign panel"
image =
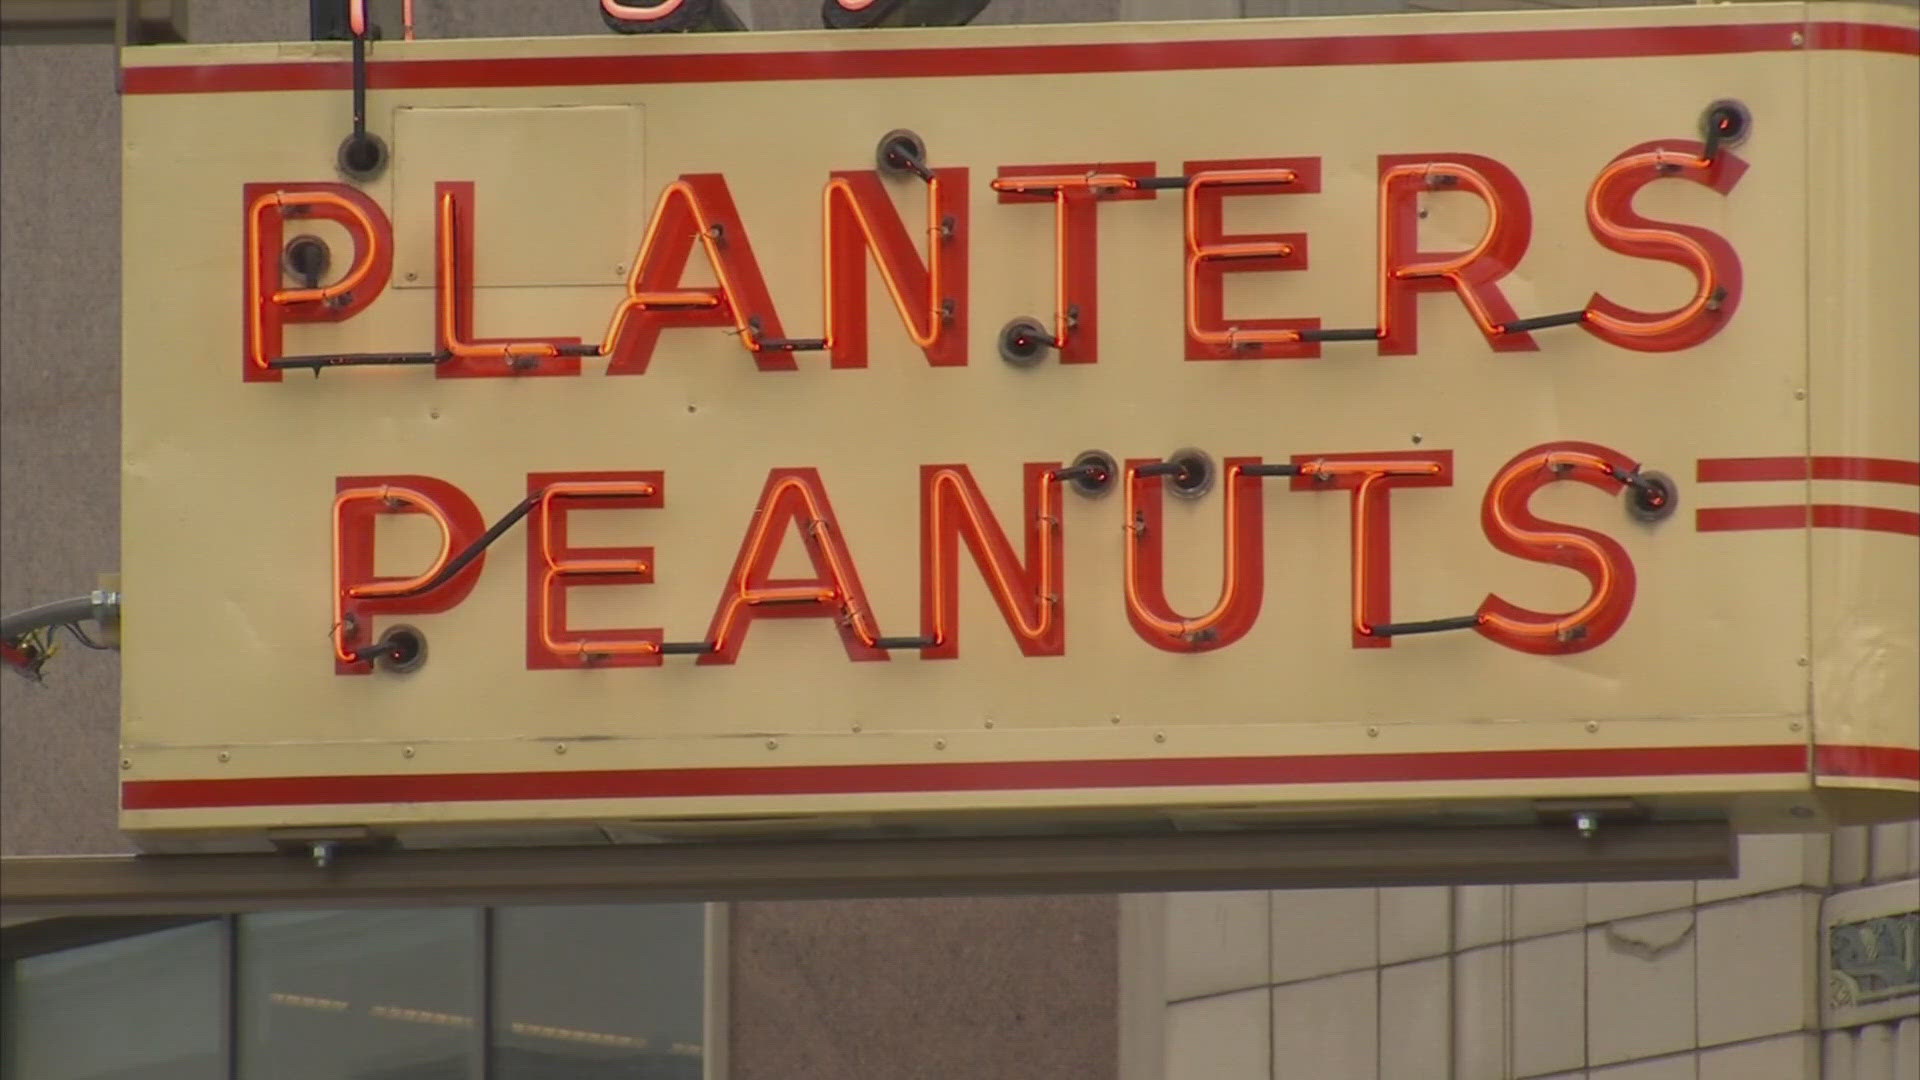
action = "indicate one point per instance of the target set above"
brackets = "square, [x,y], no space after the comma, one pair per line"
[1332,415]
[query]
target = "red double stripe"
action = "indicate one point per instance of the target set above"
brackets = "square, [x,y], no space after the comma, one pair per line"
[1816,515]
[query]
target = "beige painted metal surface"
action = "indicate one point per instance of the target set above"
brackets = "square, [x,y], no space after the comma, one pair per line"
[236,719]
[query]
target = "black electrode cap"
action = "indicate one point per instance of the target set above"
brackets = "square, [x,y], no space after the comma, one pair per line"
[1195,474]
[1654,498]
[1024,342]
[306,258]
[900,153]
[1093,472]
[1725,123]
[362,156]
[401,649]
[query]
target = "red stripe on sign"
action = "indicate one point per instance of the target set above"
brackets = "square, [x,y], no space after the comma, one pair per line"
[1873,470]
[945,777]
[1819,515]
[826,63]
[1883,762]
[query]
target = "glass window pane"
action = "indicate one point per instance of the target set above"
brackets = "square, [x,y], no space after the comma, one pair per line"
[359,995]
[148,1006]
[594,993]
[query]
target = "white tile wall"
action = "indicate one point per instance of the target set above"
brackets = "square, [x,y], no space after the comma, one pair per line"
[1893,851]
[1873,1053]
[1906,1048]
[1219,1038]
[1415,923]
[1784,1057]
[1849,855]
[1640,988]
[1771,862]
[1415,1019]
[1323,931]
[1216,942]
[1327,1028]
[1548,909]
[1836,1056]
[1480,1000]
[1758,964]
[1680,1067]
[1479,915]
[1549,1004]
[1619,900]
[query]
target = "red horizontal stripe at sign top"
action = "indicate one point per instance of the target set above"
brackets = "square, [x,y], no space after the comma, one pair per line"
[839,63]
[950,777]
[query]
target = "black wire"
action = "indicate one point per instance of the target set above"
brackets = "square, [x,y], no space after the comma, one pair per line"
[81,636]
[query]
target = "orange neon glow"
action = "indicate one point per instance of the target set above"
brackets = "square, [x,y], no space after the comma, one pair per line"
[1048,520]
[1664,162]
[1464,178]
[1604,586]
[557,568]
[860,621]
[257,288]
[1370,473]
[398,586]
[636,300]
[1198,253]
[924,337]
[641,12]
[1185,629]
[448,292]
[1061,186]
[357,17]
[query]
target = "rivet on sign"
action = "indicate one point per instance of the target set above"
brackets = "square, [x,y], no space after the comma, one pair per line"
[1798,39]
[1799,395]
[1802,661]
[433,414]
[1115,718]
[1795,726]
[1416,438]
[857,729]
[224,756]
[126,763]
[560,748]
[773,744]
[411,276]
[939,744]
[1159,736]
[1373,733]
[408,752]
[1593,725]
[989,723]
[619,270]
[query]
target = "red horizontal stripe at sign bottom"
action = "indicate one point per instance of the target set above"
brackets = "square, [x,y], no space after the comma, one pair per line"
[946,777]
[839,63]
[1881,762]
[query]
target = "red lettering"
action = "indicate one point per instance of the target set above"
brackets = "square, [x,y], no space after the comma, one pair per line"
[269,304]
[358,594]
[1030,595]
[1372,478]
[931,296]
[1242,576]
[1076,191]
[1406,271]
[793,497]
[1601,560]
[471,357]
[1212,254]
[555,566]
[1706,255]
[694,207]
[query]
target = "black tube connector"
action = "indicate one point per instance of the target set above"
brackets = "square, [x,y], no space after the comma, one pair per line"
[1541,322]
[778,344]
[687,648]
[1364,333]
[331,360]
[1430,626]
[1273,469]
[905,642]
